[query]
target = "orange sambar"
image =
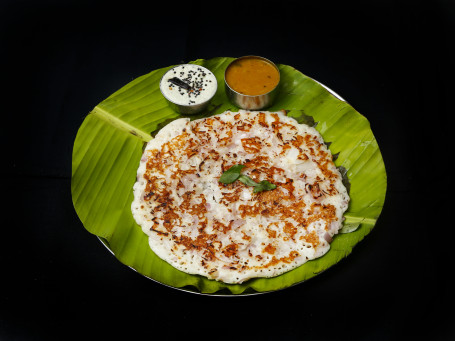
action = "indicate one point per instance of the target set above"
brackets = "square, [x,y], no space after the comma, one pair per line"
[252,76]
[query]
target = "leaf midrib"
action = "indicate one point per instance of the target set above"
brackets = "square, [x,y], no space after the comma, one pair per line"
[351,219]
[120,124]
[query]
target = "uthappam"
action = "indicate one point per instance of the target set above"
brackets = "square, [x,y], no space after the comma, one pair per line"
[228,231]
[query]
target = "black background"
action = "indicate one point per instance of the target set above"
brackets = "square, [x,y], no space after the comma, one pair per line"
[391,60]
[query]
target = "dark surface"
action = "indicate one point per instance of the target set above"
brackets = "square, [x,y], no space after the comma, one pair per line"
[390,60]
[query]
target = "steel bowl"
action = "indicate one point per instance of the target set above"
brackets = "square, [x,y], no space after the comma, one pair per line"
[252,102]
[187,109]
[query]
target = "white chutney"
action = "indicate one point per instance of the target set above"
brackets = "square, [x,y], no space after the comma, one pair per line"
[201,80]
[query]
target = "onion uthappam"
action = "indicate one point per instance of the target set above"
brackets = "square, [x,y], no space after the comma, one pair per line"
[232,231]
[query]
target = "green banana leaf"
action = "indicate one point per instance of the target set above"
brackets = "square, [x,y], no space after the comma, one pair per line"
[109,144]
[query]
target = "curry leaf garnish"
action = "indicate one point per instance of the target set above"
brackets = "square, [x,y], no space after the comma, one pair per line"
[264,185]
[234,173]
[247,180]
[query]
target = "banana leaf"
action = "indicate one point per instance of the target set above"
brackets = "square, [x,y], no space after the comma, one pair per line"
[109,145]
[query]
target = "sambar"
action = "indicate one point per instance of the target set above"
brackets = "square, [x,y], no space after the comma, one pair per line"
[252,76]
